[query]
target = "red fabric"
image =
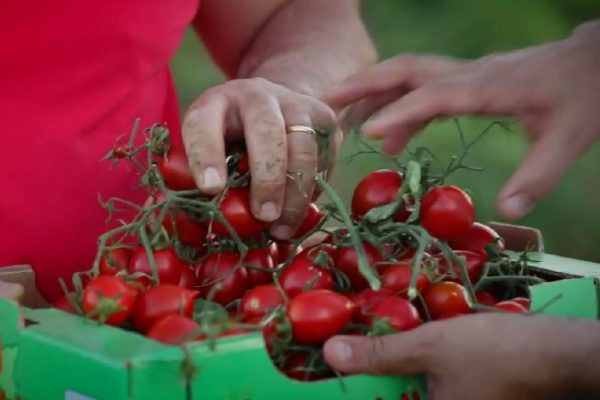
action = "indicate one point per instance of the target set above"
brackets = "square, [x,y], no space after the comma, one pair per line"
[73,75]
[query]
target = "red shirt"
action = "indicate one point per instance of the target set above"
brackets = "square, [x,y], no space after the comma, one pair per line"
[73,76]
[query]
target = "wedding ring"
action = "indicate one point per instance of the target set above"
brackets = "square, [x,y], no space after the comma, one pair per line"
[301,129]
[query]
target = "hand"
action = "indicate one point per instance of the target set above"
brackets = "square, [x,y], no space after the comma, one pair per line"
[11,291]
[482,357]
[554,90]
[260,111]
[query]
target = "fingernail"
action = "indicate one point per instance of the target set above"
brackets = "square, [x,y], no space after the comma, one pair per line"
[342,351]
[281,231]
[269,211]
[516,206]
[211,178]
[373,128]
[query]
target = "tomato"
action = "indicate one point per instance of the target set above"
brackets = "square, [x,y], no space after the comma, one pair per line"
[160,301]
[400,314]
[525,302]
[346,260]
[449,315]
[257,262]
[173,329]
[377,189]
[447,297]
[168,265]
[188,278]
[365,300]
[258,301]
[302,273]
[415,396]
[312,217]
[243,165]
[235,207]
[178,223]
[447,212]
[337,235]
[281,251]
[322,254]
[65,305]
[511,306]
[397,279]
[473,263]
[486,298]
[476,238]
[317,315]
[221,277]
[108,299]
[297,367]
[175,170]
[115,260]
[122,151]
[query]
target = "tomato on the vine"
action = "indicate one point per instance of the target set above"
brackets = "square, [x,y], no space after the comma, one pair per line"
[377,189]
[258,262]
[188,230]
[221,279]
[302,274]
[235,207]
[397,279]
[365,300]
[445,298]
[473,263]
[65,305]
[511,306]
[346,260]
[486,298]
[280,251]
[259,300]
[162,300]
[312,217]
[317,315]
[108,299]
[188,278]
[400,314]
[168,265]
[476,238]
[115,260]
[173,329]
[175,170]
[447,212]
[243,165]
[524,301]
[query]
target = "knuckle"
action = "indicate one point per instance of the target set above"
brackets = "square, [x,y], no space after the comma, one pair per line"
[376,355]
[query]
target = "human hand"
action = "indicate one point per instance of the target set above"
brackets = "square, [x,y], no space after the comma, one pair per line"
[11,291]
[483,357]
[553,90]
[260,112]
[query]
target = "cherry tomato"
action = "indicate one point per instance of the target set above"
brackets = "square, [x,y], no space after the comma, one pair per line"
[160,301]
[188,278]
[281,251]
[415,396]
[486,298]
[447,212]
[322,254]
[297,367]
[336,236]
[449,315]
[511,306]
[178,223]
[175,170]
[173,329]
[397,279]
[365,301]
[168,265]
[400,313]
[243,165]
[346,260]
[122,151]
[257,262]
[476,238]
[377,189]
[108,299]
[317,315]
[312,217]
[525,302]
[115,260]
[65,305]
[221,277]
[260,300]
[302,273]
[473,263]
[235,207]
[445,298]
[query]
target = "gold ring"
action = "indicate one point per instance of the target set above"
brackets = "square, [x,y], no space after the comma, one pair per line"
[301,129]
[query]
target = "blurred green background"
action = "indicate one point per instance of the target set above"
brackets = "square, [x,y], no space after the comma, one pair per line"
[570,217]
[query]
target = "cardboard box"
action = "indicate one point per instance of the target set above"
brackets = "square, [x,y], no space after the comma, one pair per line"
[61,356]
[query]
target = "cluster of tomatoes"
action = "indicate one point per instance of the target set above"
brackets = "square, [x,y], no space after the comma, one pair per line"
[194,268]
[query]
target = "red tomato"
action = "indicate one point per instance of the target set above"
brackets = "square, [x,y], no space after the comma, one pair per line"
[188,230]
[317,315]
[221,279]
[377,189]
[335,236]
[476,238]
[260,300]
[281,251]
[400,313]
[473,263]
[235,207]
[160,301]
[312,217]
[366,300]
[415,396]
[173,329]
[449,315]
[297,367]
[115,260]
[447,212]
[108,299]
[257,261]
[511,306]
[486,298]
[525,302]
[169,266]
[301,273]
[445,298]
[65,305]
[346,260]
[243,165]
[188,278]
[175,170]
[397,279]
[122,151]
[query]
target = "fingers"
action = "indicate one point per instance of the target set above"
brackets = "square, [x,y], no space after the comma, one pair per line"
[202,133]
[399,354]
[360,111]
[11,291]
[264,130]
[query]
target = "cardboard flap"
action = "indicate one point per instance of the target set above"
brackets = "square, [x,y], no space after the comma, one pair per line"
[519,238]
[24,276]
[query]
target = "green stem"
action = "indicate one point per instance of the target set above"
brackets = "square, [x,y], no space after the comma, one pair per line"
[148,248]
[416,270]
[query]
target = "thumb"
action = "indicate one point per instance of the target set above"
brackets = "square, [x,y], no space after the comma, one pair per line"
[399,354]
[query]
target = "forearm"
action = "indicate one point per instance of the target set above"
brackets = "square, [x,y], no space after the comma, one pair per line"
[308,45]
[583,359]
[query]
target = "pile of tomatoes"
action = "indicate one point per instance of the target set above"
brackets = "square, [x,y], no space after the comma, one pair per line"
[192,267]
